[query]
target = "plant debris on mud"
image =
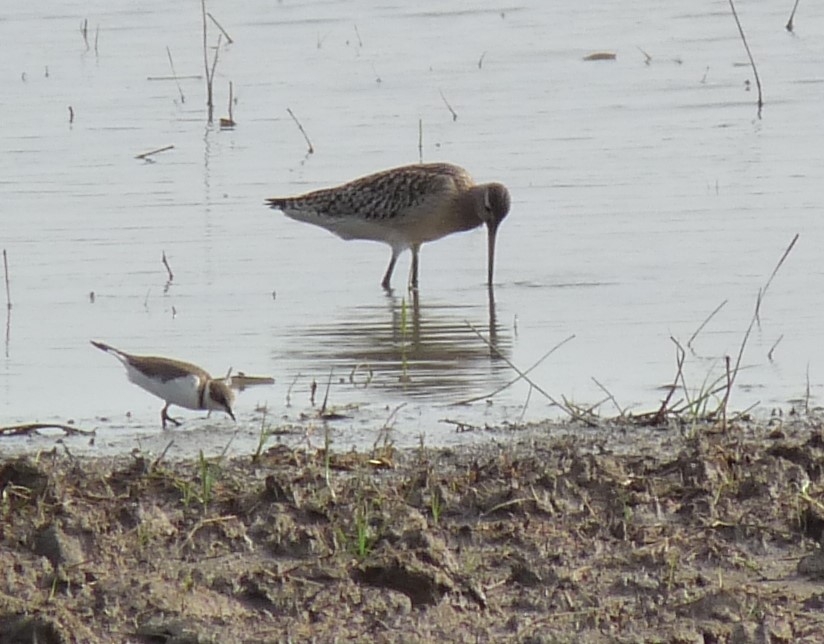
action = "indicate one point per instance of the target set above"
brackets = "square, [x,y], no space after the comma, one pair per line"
[628,534]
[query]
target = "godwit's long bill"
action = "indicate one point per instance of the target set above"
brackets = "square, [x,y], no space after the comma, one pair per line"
[405,207]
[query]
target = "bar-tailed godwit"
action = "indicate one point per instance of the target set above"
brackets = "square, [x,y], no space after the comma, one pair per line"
[404,207]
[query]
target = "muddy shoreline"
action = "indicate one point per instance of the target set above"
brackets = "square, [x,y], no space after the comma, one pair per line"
[675,533]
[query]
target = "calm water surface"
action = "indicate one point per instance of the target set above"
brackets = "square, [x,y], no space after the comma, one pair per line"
[645,194]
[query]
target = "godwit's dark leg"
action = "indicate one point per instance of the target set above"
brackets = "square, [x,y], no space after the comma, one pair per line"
[413,272]
[164,416]
[387,278]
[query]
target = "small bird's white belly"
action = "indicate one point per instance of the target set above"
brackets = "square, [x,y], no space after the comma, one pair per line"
[182,392]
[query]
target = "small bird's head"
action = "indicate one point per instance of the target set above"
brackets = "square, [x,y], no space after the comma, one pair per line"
[220,397]
[493,208]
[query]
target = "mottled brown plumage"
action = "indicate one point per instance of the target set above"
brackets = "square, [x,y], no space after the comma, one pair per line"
[404,207]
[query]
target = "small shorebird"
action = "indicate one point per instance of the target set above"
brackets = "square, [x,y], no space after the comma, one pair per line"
[178,383]
[404,207]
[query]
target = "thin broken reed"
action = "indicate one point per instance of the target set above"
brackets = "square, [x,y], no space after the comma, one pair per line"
[789,26]
[571,412]
[6,274]
[420,140]
[749,54]
[145,155]
[467,401]
[220,26]
[174,74]
[449,107]
[302,131]
[168,268]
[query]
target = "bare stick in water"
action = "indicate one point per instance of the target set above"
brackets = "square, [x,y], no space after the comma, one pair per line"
[792,15]
[763,290]
[84,31]
[71,115]
[8,302]
[772,348]
[749,54]
[229,122]
[145,155]
[174,75]
[96,38]
[302,131]
[734,372]
[514,380]
[211,77]
[209,104]
[449,107]
[704,323]
[420,140]
[168,268]
[6,273]
[220,26]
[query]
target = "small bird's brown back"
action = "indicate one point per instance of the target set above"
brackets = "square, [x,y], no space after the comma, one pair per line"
[165,369]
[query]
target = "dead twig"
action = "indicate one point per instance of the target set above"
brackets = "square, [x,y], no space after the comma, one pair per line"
[84,31]
[302,131]
[772,348]
[538,388]
[449,107]
[146,155]
[514,380]
[704,323]
[754,319]
[789,25]
[174,74]
[322,411]
[168,269]
[219,26]
[610,397]
[749,55]
[30,428]
[6,274]
[420,140]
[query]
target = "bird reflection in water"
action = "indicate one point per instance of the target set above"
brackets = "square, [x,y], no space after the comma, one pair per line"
[423,349]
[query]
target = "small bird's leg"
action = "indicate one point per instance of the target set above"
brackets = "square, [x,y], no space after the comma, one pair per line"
[413,271]
[387,278]
[164,416]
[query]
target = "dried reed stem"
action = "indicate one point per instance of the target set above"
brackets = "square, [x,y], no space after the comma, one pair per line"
[704,323]
[302,131]
[209,103]
[761,292]
[6,274]
[168,268]
[449,107]
[514,380]
[220,26]
[145,155]
[749,54]
[565,407]
[789,25]
[174,74]
[420,140]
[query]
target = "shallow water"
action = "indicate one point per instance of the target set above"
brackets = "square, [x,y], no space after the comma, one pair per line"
[644,196]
